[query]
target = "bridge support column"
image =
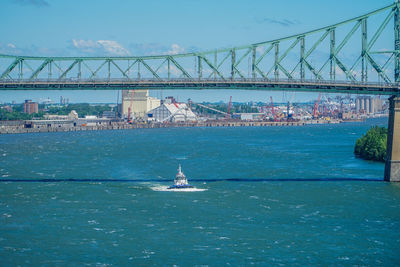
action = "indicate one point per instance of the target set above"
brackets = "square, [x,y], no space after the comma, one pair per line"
[392,167]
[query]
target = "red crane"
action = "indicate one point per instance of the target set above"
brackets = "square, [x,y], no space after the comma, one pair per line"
[130,107]
[228,115]
[316,106]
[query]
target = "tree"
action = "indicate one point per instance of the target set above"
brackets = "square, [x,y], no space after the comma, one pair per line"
[372,145]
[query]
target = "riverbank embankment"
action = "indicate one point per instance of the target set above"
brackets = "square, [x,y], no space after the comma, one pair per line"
[15,129]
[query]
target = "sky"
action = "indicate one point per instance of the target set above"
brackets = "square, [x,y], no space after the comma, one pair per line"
[122,27]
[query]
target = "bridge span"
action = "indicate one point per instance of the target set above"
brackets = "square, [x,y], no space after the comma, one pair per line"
[327,86]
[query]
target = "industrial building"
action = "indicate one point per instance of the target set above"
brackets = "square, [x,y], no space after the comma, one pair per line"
[368,105]
[248,116]
[172,112]
[71,116]
[138,103]
[110,114]
[49,123]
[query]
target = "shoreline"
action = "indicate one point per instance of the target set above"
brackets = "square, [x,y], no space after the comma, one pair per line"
[124,126]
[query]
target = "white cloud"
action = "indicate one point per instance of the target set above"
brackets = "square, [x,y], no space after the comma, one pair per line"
[260,49]
[11,46]
[113,47]
[146,49]
[100,47]
[176,49]
[88,46]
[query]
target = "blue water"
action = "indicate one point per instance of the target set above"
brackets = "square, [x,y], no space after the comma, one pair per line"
[273,196]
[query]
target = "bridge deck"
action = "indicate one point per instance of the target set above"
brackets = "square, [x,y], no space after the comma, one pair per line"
[198,84]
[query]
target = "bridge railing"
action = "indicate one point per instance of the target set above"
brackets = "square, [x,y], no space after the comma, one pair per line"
[200,80]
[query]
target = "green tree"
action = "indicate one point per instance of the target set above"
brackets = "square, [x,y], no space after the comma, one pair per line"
[372,145]
[16,115]
[82,109]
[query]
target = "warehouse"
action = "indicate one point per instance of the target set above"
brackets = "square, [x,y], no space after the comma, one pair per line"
[172,112]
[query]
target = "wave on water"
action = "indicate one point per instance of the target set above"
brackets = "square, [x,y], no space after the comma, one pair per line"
[165,188]
[181,157]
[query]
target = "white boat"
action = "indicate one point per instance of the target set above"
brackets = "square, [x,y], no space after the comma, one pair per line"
[180,181]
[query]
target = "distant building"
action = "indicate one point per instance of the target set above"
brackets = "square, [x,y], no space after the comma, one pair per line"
[176,112]
[8,108]
[139,102]
[91,117]
[49,124]
[248,116]
[109,114]
[169,100]
[368,105]
[347,115]
[64,101]
[71,116]
[47,101]
[55,117]
[30,107]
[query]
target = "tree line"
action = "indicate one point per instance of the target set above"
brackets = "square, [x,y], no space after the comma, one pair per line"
[82,110]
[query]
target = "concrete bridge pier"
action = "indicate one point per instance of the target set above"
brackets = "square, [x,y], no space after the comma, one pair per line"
[392,167]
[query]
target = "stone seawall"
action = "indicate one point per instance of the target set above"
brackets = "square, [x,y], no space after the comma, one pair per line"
[15,130]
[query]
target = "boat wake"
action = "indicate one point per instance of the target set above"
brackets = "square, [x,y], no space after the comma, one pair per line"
[165,188]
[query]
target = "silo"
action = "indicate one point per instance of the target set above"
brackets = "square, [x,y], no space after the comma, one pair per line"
[362,102]
[367,105]
[373,105]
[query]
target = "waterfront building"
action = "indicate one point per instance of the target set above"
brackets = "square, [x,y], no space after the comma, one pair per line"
[30,107]
[139,102]
[249,116]
[172,112]
[64,124]
[71,116]
[109,114]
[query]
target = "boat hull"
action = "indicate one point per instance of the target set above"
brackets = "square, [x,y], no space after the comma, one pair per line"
[180,186]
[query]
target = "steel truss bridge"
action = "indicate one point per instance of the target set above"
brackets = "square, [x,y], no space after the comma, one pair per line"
[359,55]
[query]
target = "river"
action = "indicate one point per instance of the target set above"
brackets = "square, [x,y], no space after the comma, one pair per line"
[270,196]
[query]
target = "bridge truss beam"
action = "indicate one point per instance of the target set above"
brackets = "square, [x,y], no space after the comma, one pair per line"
[270,60]
[215,84]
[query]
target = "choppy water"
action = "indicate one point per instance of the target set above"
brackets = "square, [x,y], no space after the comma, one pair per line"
[271,196]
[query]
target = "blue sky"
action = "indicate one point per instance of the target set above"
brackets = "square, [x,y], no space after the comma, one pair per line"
[117,27]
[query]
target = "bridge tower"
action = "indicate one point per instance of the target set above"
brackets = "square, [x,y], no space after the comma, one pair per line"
[392,167]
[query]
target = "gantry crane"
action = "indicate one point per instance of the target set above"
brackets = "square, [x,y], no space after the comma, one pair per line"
[316,106]
[273,110]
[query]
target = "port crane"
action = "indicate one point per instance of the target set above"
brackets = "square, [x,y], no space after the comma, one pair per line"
[316,106]
[273,110]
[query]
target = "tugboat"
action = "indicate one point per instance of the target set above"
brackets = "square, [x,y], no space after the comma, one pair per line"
[180,181]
